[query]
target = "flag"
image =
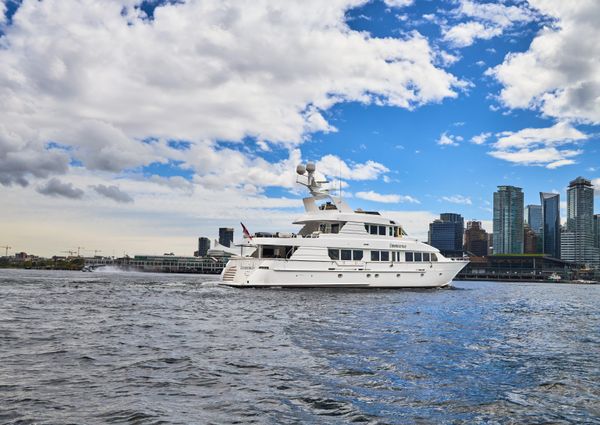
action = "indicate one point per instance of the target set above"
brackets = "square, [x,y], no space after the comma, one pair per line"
[246,232]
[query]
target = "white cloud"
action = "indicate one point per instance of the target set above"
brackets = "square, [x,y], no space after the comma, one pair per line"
[398,3]
[54,187]
[388,199]
[480,138]
[487,20]
[458,199]
[100,77]
[559,74]
[113,192]
[448,140]
[2,11]
[333,166]
[551,147]
[465,33]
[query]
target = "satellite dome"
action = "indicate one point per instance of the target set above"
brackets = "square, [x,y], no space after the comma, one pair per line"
[300,169]
[310,167]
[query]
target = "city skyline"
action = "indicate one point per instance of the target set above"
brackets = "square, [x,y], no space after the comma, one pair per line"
[421,107]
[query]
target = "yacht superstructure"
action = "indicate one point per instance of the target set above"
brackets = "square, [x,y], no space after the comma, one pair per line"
[338,247]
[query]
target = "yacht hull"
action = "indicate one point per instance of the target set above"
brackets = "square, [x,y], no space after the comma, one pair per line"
[252,273]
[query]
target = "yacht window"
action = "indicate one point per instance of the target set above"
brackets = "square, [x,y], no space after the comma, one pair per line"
[346,254]
[357,255]
[409,256]
[373,230]
[334,254]
[425,256]
[418,256]
[385,255]
[393,256]
[374,255]
[367,228]
[433,257]
[382,230]
[390,231]
[335,228]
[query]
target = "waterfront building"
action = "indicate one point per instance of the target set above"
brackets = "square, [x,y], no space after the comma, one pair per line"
[550,224]
[530,241]
[597,231]
[476,239]
[203,246]
[446,234]
[508,220]
[577,242]
[533,218]
[225,236]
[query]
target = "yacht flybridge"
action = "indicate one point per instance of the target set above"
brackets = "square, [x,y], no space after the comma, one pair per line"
[338,247]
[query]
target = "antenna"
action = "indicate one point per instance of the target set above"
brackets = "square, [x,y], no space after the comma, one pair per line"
[6,247]
[340,178]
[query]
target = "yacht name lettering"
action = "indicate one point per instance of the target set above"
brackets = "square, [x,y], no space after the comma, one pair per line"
[396,245]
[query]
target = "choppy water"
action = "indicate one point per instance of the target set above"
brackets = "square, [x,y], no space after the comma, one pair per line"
[148,348]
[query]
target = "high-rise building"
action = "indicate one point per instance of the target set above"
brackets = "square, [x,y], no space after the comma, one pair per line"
[446,234]
[530,241]
[225,236]
[533,218]
[550,224]
[577,242]
[203,246]
[597,231]
[508,220]
[476,239]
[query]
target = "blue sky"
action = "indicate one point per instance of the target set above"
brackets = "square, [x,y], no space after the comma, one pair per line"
[143,125]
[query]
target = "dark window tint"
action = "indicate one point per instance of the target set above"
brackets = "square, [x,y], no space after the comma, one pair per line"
[373,230]
[418,256]
[433,257]
[374,255]
[357,255]
[382,230]
[385,256]
[425,256]
[334,254]
[409,256]
[335,228]
[346,254]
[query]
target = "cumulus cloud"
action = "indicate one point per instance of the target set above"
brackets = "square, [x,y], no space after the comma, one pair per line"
[103,79]
[54,187]
[114,193]
[398,3]
[480,138]
[551,147]
[333,166]
[559,74]
[488,20]
[388,199]
[457,199]
[449,140]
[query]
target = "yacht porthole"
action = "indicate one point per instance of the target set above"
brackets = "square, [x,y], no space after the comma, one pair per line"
[368,274]
[422,274]
[376,275]
[397,274]
[340,275]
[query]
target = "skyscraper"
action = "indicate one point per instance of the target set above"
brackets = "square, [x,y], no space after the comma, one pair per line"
[530,240]
[597,231]
[476,239]
[577,242]
[508,220]
[533,217]
[225,236]
[203,246]
[550,224]
[446,234]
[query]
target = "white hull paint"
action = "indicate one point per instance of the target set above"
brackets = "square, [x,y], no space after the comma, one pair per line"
[243,272]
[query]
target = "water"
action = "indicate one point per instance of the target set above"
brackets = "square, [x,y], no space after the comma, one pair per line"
[148,348]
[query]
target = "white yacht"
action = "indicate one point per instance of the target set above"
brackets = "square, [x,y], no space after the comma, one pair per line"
[338,247]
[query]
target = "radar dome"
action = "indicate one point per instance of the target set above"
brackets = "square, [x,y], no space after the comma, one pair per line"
[310,167]
[300,169]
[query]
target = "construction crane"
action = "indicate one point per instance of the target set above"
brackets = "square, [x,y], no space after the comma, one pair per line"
[6,247]
[79,248]
[68,251]
[96,251]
